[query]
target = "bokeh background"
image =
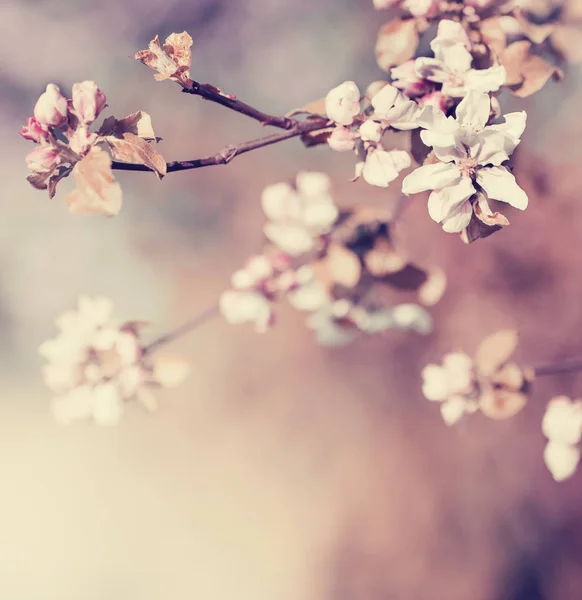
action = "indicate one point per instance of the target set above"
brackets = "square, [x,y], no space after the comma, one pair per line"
[280,470]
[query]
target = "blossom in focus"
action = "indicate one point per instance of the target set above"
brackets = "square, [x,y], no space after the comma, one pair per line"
[88,101]
[298,216]
[95,364]
[451,65]
[51,107]
[342,103]
[562,426]
[405,78]
[341,139]
[470,154]
[381,167]
[393,109]
[451,384]
[33,131]
[43,159]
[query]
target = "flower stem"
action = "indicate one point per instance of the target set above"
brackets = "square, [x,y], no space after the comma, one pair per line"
[569,366]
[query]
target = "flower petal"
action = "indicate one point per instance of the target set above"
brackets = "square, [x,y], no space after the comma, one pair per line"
[430,177]
[499,184]
[486,80]
[488,147]
[383,101]
[473,111]
[458,59]
[443,202]
[561,460]
[458,219]
[432,69]
[382,167]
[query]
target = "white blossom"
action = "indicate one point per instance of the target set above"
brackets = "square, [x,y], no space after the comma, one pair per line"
[297,217]
[381,167]
[341,139]
[394,109]
[451,65]
[470,154]
[342,103]
[450,384]
[246,306]
[562,425]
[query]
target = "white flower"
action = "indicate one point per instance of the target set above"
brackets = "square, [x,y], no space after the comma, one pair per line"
[562,425]
[452,64]
[297,217]
[470,153]
[382,167]
[310,293]
[240,306]
[342,103]
[393,109]
[93,363]
[341,139]
[258,269]
[370,131]
[450,383]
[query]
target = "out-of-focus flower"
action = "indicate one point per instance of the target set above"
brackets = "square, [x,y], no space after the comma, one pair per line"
[43,159]
[33,131]
[450,384]
[342,103]
[417,8]
[51,107]
[451,65]
[88,101]
[246,306]
[469,152]
[95,364]
[562,425]
[406,79]
[299,216]
[341,139]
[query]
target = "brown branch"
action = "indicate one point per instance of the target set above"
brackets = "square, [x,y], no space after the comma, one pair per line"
[569,366]
[213,94]
[190,325]
[229,152]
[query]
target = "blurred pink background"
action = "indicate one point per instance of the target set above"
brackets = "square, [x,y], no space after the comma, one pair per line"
[280,470]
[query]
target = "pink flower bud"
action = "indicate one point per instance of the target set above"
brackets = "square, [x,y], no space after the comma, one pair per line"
[51,107]
[43,159]
[405,78]
[81,141]
[341,139]
[436,99]
[33,131]
[88,101]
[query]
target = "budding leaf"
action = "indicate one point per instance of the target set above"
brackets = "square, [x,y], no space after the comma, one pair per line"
[133,149]
[97,191]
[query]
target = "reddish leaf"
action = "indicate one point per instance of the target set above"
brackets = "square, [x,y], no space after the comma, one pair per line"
[132,149]
[139,123]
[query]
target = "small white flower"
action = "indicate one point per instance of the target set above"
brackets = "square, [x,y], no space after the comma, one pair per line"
[370,131]
[561,460]
[342,103]
[297,217]
[310,293]
[341,139]
[238,306]
[452,64]
[470,153]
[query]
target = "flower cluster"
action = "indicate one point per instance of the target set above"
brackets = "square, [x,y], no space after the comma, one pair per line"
[362,131]
[61,128]
[562,425]
[95,364]
[490,383]
[329,263]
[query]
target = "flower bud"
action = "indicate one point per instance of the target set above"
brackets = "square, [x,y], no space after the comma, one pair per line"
[371,131]
[81,141]
[51,107]
[33,131]
[341,139]
[43,159]
[405,78]
[88,101]
[342,103]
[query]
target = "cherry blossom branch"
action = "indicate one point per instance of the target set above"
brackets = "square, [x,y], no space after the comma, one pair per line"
[229,152]
[186,327]
[210,92]
[558,368]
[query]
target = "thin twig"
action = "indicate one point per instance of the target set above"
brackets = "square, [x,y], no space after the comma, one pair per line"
[229,152]
[190,325]
[209,92]
[569,366]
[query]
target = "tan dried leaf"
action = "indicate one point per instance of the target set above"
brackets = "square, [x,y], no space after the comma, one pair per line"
[536,33]
[171,60]
[484,213]
[567,40]
[512,58]
[138,123]
[313,108]
[97,191]
[495,350]
[383,259]
[397,42]
[343,265]
[170,371]
[130,148]
[39,180]
[61,173]
[493,36]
